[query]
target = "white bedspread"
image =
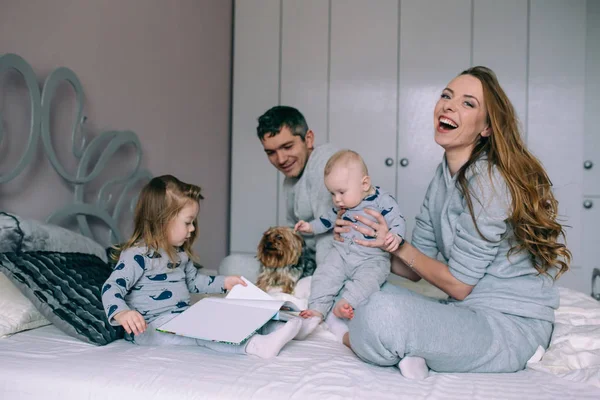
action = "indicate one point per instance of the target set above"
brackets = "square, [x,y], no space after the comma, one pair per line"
[46,364]
[574,351]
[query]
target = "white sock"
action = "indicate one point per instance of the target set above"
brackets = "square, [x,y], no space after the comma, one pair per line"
[413,368]
[268,346]
[337,326]
[308,326]
[537,356]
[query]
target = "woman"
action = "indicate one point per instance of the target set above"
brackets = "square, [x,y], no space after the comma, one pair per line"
[490,212]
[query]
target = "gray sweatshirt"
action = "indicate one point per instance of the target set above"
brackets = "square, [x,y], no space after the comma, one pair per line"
[151,284]
[507,284]
[307,198]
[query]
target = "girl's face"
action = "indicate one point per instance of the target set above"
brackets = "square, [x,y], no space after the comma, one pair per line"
[460,116]
[181,227]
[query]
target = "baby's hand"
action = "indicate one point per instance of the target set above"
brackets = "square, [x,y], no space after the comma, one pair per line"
[392,241]
[132,321]
[303,226]
[343,309]
[310,313]
[231,281]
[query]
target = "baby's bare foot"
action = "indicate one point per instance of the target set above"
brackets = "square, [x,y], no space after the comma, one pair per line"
[347,311]
[343,310]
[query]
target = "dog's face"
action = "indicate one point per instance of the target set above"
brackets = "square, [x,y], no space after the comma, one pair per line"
[279,247]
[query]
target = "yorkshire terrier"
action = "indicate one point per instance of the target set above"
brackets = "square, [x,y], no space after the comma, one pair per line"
[284,259]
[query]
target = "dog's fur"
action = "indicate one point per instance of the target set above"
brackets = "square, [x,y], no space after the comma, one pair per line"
[284,259]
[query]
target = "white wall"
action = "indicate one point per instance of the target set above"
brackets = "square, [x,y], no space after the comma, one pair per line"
[367,75]
[159,68]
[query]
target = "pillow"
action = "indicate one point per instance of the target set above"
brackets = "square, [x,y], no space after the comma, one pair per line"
[65,288]
[18,234]
[17,313]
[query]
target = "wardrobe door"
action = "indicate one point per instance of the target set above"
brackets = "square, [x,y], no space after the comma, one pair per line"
[255,89]
[503,25]
[363,83]
[305,69]
[582,276]
[556,105]
[591,148]
[435,46]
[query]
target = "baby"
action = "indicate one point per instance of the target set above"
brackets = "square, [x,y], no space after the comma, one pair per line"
[352,270]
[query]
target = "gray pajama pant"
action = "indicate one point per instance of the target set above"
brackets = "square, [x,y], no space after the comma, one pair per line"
[355,274]
[152,337]
[451,337]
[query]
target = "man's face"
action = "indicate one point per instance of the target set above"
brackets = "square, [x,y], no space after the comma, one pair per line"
[288,153]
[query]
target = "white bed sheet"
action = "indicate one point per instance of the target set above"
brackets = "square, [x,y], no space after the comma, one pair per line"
[46,364]
[574,351]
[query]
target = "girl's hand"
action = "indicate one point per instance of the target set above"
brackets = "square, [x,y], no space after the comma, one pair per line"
[378,229]
[341,226]
[231,281]
[132,321]
[310,313]
[303,226]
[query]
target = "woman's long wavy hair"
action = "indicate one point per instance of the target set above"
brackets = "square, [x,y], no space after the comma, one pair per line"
[159,203]
[534,207]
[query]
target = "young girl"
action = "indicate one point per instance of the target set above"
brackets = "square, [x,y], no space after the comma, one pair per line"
[155,274]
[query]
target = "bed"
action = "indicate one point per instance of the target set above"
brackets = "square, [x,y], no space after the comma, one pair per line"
[45,354]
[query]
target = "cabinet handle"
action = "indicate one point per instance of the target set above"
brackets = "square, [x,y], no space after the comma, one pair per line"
[588,204]
[404,162]
[389,161]
[587,164]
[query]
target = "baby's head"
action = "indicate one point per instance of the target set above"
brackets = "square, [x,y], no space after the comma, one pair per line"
[166,215]
[347,179]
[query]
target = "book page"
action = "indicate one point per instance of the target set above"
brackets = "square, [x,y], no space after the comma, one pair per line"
[218,320]
[253,293]
[249,292]
[271,304]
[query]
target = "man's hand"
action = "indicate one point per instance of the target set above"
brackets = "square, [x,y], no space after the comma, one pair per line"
[132,321]
[303,226]
[231,281]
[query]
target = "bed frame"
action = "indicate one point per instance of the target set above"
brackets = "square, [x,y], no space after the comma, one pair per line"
[117,196]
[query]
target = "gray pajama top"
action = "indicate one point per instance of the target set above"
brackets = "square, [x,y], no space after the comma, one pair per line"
[148,282]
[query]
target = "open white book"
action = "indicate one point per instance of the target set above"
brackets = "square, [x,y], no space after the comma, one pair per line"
[231,319]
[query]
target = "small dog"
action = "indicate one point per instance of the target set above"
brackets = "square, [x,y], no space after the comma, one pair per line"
[284,259]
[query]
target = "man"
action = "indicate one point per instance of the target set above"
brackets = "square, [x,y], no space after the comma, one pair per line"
[289,146]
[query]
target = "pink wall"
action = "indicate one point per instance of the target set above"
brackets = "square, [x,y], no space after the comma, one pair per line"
[159,68]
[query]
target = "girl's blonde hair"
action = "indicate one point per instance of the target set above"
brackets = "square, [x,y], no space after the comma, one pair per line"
[534,207]
[159,203]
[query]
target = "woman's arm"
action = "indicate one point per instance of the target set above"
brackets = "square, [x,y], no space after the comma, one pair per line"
[401,269]
[408,261]
[433,271]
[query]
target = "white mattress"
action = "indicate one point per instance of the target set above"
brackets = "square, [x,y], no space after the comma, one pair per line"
[46,364]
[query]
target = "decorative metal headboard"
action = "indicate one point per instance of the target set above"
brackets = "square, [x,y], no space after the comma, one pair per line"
[93,155]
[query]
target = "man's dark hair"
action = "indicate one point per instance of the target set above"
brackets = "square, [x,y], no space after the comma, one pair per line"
[271,122]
